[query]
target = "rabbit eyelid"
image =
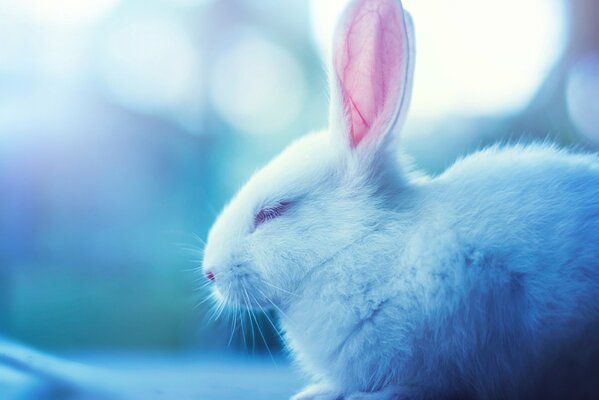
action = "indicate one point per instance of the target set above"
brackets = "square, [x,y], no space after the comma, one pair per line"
[269,213]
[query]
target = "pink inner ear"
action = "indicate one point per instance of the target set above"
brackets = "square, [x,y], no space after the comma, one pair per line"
[370,59]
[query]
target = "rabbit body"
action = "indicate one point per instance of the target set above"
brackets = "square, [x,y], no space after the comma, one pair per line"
[464,285]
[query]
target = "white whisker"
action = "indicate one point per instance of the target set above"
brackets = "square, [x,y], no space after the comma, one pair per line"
[273,304]
[260,331]
[271,323]
[234,325]
[278,288]
[245,345]
[247,308]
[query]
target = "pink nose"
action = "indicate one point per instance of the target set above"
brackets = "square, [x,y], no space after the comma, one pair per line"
[210,276]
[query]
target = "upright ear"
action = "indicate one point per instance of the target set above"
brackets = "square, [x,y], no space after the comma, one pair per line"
[372,72]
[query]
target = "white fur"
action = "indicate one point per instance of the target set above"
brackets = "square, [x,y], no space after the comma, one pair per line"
[464,284]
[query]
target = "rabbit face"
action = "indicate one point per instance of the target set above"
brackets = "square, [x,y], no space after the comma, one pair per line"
[266,242]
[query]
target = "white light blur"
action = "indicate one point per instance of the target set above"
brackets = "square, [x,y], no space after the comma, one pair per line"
[189,3]
[582,96]
[323,16]
[61,12]
[150,63]
[289,16]
[473,56]
[257,85]
[62,57]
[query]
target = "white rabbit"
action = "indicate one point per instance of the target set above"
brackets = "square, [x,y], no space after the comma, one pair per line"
[393,285]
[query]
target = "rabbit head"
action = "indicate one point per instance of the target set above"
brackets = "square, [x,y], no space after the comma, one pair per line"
[327,189]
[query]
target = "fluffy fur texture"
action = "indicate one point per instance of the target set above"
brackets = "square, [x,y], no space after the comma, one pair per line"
[468,284]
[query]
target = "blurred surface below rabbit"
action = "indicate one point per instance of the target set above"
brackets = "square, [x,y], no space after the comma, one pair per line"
[477,283]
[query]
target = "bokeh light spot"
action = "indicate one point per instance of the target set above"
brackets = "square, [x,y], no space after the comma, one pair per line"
[150,63]
[323,16]
[582,96]
[62,12]
[257,86]
[190,3]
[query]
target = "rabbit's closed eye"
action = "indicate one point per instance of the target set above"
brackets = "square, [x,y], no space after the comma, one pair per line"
[269,213]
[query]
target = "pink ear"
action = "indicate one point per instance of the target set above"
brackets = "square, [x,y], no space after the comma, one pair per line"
[370,59]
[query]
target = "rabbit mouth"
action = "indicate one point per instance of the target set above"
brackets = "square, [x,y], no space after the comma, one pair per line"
[239,289]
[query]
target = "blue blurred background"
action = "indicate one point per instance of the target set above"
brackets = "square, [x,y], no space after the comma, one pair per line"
[125,125]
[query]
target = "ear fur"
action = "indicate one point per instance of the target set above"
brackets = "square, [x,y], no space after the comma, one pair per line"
[372,73]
